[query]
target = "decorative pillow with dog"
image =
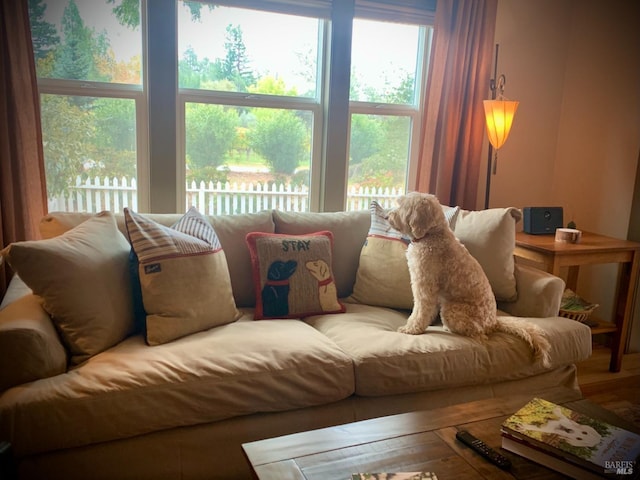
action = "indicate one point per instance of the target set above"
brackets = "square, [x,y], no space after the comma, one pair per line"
[184,277]
[383,275]
[83,280]
[293,275]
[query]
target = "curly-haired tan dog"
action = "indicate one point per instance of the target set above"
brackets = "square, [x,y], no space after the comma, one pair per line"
[445,278]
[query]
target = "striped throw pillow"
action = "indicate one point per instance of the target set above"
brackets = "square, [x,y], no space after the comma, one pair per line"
[383,278]
[184,277]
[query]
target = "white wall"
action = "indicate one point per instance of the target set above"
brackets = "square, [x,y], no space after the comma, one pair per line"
[574,65]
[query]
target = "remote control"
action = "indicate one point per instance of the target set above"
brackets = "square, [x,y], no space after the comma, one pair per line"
[483,449]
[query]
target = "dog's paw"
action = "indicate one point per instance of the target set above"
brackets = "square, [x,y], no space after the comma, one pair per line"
[410,330]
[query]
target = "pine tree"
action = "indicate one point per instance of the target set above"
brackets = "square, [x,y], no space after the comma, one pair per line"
[75,58]
[235,66]
[44,34]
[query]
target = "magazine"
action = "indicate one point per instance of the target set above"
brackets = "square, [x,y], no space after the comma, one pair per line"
[572,437]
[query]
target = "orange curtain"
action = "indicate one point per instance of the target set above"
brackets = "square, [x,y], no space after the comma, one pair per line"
[23,197]
[459,74]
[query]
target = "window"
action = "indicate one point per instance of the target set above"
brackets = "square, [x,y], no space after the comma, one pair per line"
[387,69]
[89,66]
[263,115]
[248,84]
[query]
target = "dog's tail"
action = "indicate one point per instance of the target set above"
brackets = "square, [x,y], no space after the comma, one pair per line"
[530,333]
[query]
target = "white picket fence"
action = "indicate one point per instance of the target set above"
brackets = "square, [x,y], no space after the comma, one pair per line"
[97,194]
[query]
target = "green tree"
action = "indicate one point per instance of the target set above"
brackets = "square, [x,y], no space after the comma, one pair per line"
[113,151]
[128,11]
[74,58]
[210,133]
[404,92]
[366,136]
[280,137]
[270,85]
[189,72]
[43,34]
[103,66]
[65,130]
[387,167]
[236,64]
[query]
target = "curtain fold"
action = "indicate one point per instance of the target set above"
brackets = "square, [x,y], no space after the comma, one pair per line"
[23,197]
[453,128]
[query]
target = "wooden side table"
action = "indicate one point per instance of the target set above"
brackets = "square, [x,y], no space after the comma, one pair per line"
[592,249]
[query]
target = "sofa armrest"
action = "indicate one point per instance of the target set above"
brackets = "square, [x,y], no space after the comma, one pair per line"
[30,348]
[539,293]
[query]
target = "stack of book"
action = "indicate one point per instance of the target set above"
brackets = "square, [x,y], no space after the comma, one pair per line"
[570,442]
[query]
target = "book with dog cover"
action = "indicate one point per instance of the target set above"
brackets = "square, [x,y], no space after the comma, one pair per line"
[572,438]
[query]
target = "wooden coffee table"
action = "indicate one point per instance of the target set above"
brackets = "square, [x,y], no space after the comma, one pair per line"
[409,442]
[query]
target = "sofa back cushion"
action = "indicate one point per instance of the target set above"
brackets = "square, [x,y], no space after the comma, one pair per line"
[231,231]
[349,231]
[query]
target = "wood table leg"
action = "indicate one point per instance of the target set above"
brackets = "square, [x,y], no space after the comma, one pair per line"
[572,278]
[624,310]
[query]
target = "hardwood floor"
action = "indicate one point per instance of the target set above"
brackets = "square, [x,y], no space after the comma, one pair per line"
[618,392]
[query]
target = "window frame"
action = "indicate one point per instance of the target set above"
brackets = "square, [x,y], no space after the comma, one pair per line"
[160,106]
[259,100]
[414,112]
[137,93]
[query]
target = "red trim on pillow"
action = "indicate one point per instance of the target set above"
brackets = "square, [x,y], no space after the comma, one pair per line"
[373,235]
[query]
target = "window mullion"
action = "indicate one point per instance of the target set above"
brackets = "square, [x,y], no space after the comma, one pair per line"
[165,193]
[333,188]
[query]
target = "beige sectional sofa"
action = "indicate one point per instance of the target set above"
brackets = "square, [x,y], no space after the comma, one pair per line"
[182,409]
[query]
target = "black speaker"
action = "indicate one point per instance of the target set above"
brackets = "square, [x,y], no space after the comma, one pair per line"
[541,220]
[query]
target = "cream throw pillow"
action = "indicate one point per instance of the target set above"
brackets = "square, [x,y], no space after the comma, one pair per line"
[184,277]
[383,274]
[83,280]
[490,236]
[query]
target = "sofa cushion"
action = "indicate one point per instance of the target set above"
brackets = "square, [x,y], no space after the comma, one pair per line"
[133,389]
[383,274]
[293,275]
[82,277]
[349,231]
[231,230]
[490,236]
[387,362]
[184,279]
[29,345]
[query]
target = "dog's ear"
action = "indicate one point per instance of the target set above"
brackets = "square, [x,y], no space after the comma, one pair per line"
[419,219]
